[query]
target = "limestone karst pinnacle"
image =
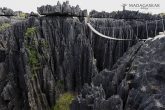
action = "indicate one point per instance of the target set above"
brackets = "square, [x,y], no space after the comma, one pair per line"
[45,54]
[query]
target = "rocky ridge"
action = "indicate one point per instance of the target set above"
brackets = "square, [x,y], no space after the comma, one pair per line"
[125,14]
[136,81]
[64,9]
[7,12]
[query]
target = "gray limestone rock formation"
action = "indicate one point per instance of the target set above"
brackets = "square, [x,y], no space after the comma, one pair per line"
[110,83]
[64,9]
[125,14]
[34,14]
[43,53]
[7,12]
[42,57]
[137,79]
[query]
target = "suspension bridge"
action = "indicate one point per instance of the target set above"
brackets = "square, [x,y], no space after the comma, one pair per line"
[87,21]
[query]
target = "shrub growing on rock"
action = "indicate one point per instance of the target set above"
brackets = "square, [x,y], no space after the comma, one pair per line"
[63,102]
[30,31]
[4,25]
[22,15]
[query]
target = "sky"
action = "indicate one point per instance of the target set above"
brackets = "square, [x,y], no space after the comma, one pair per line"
[28,6]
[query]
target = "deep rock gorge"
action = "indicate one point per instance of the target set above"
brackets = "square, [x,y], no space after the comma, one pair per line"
[42,57]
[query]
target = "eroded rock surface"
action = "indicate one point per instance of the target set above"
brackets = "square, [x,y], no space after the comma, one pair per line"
[125,14]
[42,57]
[7,12]
[136,78]
[59,45]
[62,9]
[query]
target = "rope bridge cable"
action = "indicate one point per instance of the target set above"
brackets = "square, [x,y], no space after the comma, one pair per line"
[125,27]
[111,38]
[128,25]
[116,27]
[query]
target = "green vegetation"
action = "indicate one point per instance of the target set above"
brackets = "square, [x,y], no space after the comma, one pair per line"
[46,57]
[63,102]
[45,44]
[115,12]
[34,75]
[150,13]
[162,15]
[4,25]
[33,57]
[38,97]
[30,31]
[33,61]
[22,15]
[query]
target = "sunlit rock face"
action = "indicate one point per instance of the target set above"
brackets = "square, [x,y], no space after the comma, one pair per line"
[7,12]
[44,56]
[62,9]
